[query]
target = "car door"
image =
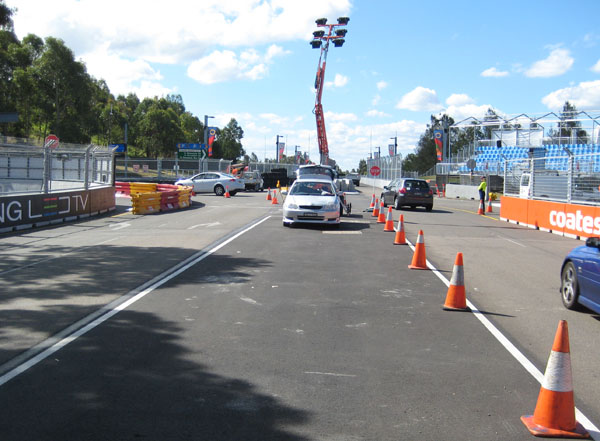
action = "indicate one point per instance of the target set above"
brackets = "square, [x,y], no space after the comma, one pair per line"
[589,274]
[390,193]
[202,183]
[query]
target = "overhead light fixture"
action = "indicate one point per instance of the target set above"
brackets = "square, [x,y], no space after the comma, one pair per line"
[338,42]
[321,21]
[343,20]
[341,32]
[319,34]
[316,44]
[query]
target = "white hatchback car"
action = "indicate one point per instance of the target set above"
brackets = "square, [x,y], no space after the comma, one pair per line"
[312,201]
[217,182]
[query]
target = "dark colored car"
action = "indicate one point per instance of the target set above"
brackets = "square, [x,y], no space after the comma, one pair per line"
[580,276]
[355,178]
[408,192]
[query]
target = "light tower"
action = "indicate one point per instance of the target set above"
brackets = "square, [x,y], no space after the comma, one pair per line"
[321,41]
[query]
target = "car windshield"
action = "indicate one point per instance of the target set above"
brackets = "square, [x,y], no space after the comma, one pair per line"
[316,170]
[312,188]
[416,185]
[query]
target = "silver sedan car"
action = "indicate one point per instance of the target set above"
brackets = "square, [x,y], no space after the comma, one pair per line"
[217,182]
[312,201]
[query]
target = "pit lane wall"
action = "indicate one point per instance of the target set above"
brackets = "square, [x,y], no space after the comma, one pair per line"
[570,220]
[36,210]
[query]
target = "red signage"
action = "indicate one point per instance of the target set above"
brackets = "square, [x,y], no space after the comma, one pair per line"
[375,171]
[51,141]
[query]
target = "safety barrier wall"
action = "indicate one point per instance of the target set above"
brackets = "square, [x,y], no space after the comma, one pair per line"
[571,220]
[148,198]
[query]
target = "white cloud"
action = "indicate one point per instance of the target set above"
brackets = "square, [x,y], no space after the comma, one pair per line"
[494,73]
[558,62]
[375,100]
[338,81]
[585,96]
[459,99]
[221,66]
[377,113]
[420,99]
[381,85]
[336,117]
[596,67]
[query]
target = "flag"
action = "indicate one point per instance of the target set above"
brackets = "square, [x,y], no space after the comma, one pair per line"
[281,146]
[438,137]
[391,148]
[212,131]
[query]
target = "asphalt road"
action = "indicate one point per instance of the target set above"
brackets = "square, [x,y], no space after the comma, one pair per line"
[238,328]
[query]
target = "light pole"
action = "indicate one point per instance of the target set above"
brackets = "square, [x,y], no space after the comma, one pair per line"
[395,138]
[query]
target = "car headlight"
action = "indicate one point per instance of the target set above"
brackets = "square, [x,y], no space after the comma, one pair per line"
[331,206]
[291,206]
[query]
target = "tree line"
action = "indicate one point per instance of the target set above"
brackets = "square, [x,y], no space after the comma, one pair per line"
[52,92]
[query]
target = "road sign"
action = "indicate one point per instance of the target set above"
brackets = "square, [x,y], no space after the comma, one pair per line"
[51,141]
[375,171]
[190,146]
[191,154]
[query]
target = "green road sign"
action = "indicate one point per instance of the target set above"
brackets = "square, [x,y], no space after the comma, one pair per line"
[191,154]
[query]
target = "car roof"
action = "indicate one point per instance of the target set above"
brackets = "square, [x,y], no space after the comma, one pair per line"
[311,178]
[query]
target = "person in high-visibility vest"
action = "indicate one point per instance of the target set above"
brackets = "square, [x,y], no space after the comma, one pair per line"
[482,189]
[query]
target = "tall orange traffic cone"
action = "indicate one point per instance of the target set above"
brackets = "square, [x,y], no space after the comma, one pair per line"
[269,194]
[381,215]
[554,414]
[489,207]
[389,221]
[419,260]
[456,299]
[372,202]
[400,238]
[376,209]
[227,195]
[274,200]
[480,211]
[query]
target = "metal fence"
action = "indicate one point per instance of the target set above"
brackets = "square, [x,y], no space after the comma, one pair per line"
[27,166]
[565,178]
[390,166]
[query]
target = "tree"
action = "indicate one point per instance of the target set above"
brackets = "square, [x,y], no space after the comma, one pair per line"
[362,167]
[159,132]
[569,130]
[228,143]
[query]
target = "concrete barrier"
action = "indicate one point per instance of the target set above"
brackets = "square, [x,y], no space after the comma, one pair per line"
[462,191]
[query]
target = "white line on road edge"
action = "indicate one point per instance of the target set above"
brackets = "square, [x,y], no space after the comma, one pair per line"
[512,349]
[120,306]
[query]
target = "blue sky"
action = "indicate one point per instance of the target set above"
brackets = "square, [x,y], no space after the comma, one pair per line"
[402,62]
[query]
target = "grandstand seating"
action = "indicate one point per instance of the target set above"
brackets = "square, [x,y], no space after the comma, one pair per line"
[489,157]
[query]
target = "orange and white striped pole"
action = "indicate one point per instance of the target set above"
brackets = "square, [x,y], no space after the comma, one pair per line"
[419,260]
[389,221]
[554,414]
[376,209]
[400,238]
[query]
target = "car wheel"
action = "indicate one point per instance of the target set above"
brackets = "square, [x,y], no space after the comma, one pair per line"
[233,193]
[285,224]
[397,203]
[428,207]
[219,190]
[569,288]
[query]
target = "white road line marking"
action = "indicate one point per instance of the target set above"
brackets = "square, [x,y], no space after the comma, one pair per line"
[249,300]
[514,241]
[120,306]
[512,349]
[211,224]
[332,374]
[119,226]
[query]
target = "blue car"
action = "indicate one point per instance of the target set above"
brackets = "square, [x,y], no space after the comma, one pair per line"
[580,276]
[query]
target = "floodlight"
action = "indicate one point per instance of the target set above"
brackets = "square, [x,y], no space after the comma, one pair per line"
[338,42]
[318,34]
[316,44]
[321,21]
[343,20]
[341,32]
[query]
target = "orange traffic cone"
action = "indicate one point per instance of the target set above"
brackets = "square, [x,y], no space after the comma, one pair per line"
[419,260]
[480,211]
[554,414]
[389,221]
[489,207]
[372,202]
[381,215]
[274,200]
[456,299]
[376,209]
[400,238]
[269,194]
[227,195]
